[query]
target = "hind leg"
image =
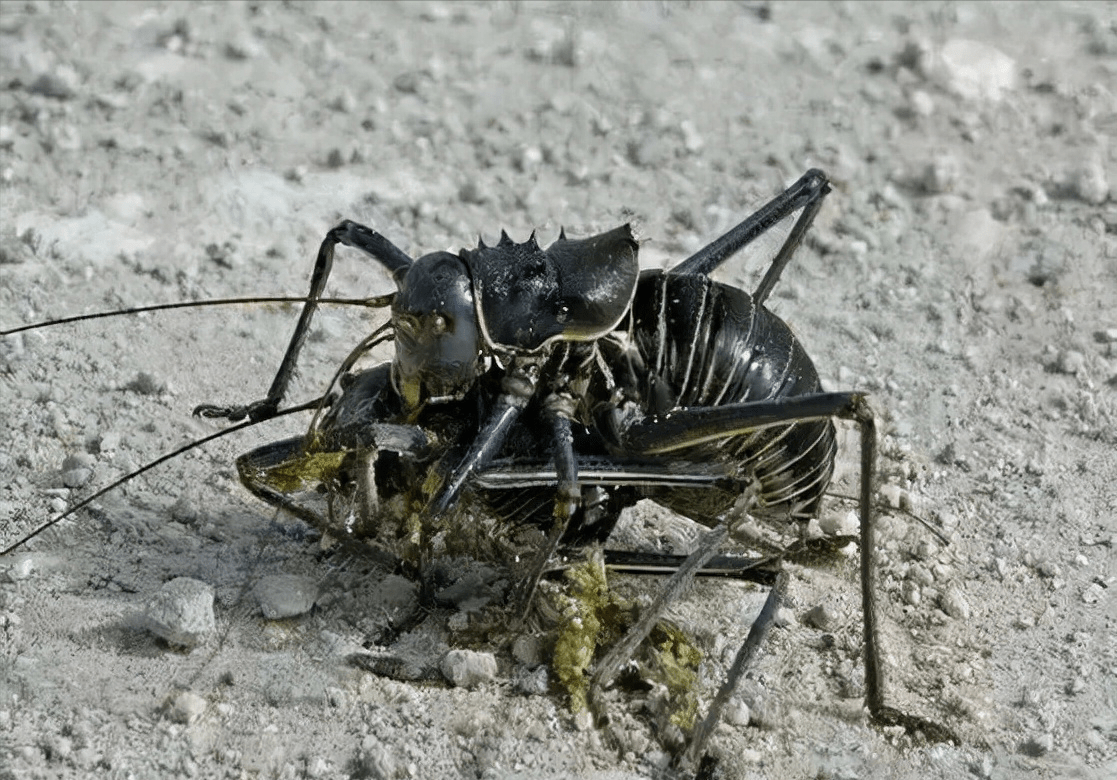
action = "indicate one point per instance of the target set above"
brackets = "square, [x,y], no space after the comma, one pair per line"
[806,194]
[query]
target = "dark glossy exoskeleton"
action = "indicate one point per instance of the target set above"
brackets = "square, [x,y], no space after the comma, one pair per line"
[555,387]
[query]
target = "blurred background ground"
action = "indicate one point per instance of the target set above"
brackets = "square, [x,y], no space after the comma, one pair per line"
[963,271]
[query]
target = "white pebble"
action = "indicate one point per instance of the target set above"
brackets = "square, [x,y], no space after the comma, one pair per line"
[77,469]
[954,604]
[941,174]
[20,567]
[737,712]
[527,649]
[922,104]
[848,524]
[785,618]
[1071,361]
[1092,593]
[1038,745]
[1089,183]
[187,707]
[181,612]
[895,496]
[975,70]
[468,668]
[285,595]
[820,616]
[533,683]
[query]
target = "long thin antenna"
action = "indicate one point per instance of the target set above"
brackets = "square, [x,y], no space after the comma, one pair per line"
[152,464]
[377,302]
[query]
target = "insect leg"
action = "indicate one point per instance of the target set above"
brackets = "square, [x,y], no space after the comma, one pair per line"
[807,194]
[596,472]
[568,499]
[623,650]
[254,465]
[686,427]
[692,755]
[351,234]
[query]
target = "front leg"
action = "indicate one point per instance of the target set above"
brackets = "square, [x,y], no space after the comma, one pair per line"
[686,427]
[350,234]
[568,501]
[517,388]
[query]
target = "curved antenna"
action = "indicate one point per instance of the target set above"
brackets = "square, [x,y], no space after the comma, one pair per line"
[150,465]
[377,302]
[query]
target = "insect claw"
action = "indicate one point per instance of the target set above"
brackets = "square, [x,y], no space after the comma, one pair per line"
[256,412]
[211,412]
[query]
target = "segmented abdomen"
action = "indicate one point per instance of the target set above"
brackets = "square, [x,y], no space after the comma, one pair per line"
[708,344]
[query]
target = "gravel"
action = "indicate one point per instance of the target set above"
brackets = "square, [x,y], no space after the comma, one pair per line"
[961,272]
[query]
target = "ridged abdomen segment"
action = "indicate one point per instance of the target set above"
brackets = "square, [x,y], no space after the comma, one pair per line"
[709,344]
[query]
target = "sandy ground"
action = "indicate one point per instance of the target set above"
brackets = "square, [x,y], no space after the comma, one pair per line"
[963,271]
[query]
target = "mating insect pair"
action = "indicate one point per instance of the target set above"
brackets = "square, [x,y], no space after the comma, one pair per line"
[539,392]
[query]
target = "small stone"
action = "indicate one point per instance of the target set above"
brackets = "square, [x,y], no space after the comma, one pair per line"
[895,496]
[186,708]
[975,70]
[468,668]
[62,83]
[1089,183]
[691,138]
[922,104]
[285,595]
[344,102]
[20,567]
[785,618]
[181,612]
[470,192]
[536,682]
[375,760]
[243,46]
[529,158]
[820,617]
[912,593]
[1048,569]
[1071,361]
[527,650]
[1092,593]
[954,604]
[941,175]
[77,469]
[765,714]
[737,713]
[848,524]
[58,746]
[337,698]
[65,136]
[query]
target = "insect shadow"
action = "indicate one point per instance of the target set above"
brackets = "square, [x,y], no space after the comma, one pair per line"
[533,395]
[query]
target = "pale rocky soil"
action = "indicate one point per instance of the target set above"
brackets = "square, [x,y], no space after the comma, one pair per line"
[964,271]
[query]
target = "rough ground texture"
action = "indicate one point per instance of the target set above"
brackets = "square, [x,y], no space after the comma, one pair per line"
[964,272]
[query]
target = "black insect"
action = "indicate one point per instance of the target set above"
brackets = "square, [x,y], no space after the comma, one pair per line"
[552,388]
